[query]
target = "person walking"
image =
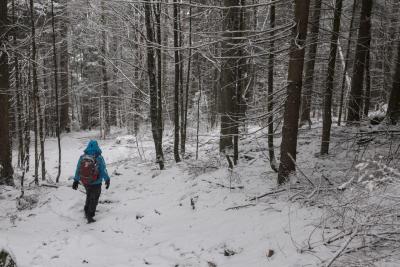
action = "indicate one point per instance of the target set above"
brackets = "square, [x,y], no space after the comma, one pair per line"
[91,171]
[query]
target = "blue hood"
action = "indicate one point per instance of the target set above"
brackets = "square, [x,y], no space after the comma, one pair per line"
[93,148]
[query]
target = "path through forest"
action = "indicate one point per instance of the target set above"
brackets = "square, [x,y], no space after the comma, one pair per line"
[177,217]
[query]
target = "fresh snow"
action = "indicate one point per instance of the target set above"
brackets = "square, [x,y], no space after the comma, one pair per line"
[146,218]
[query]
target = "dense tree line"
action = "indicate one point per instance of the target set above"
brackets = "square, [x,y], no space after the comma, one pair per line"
[193,64]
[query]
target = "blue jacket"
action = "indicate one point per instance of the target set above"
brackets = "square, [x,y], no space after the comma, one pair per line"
[93,149]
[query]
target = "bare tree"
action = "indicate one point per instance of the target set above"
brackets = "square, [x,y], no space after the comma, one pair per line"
[177,83]
[393,112]
[271,60]
[64,66]
[151,68]
[6,170]
[363,44]
[310,65]
[346,63]
[327,117]
[292,103]
[55,69]
[229,52]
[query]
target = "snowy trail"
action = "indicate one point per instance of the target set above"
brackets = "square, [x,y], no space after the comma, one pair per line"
[146,218]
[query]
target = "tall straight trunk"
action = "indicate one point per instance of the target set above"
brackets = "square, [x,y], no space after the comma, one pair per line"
[367,96]
[241,83]
[42,137]
[64,65]
[105,92]
[184,124]
[310,65]
[294,81]
[393,112]
[271,60]
[56,91]
[6,170]
[27,120]
[151,68]
[346,63]
[229,54]
[18,91]
[181,68]
[35,89]
[177,80]
[363,44]
[327,116]
[198,107]
[157,15]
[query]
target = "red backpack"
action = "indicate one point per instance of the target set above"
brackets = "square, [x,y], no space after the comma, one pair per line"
[88,169]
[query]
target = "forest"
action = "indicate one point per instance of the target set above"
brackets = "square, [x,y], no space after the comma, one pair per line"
[234,132]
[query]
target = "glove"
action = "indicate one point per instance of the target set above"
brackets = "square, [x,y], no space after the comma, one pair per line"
[75,185]
[107,184]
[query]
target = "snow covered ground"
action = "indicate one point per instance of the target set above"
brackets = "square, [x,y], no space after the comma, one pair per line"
[183,216]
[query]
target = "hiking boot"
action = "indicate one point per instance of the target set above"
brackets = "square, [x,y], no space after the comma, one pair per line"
[90,220]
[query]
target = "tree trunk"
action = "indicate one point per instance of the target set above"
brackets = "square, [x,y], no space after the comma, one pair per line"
[159,72]
[327,116]
[151,68]
[310,65]
[294,81]
[56,91]
[198,107]
[177,79]
[105,93]
[393,112]
[35,89]
[367,96]
[6,171]
[271,59]
[363,44]
[346,63]
[64,61]
[229,52]
[18,92]
[184,125]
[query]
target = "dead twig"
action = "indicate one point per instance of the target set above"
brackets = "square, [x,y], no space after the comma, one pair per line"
[241,206]
[344,246]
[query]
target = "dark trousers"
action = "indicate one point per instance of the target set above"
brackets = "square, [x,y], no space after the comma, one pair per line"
[92,199]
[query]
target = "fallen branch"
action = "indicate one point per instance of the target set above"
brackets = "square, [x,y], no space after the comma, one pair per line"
[241,206]
[268,193]
[224,186]
[49,185]
[344,246]
[301,172]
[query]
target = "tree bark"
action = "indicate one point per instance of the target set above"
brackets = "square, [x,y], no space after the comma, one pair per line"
[64,66]
[363,44]
[367,97]
[292,103]
[6,170]
[327,116]
[310,65]
[18,92]
[188,74]
[55,69]
[271,60]
[176,86]
[105,93]
[35,89]
[393,112]
[346,63]
[229,50]
[151,68]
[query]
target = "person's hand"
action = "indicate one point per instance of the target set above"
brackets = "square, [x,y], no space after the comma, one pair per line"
[75,185]
[107,184]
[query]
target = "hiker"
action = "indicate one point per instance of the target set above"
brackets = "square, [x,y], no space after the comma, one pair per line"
[91,171]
